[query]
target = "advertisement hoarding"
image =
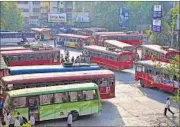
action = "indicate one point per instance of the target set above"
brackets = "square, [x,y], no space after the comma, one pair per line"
[80,17]
[57,17]
[124,17]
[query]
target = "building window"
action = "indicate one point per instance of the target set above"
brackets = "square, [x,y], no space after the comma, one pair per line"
[25,10]
[36,2]
[22,2]
[36,10]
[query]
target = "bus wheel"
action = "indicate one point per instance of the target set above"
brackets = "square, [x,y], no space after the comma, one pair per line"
[142,83]
[75,115]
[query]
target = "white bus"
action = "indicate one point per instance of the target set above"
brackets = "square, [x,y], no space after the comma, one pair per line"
[8,38]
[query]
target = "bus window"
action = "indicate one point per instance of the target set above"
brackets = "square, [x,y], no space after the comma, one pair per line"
[65,97]
[124,58]
[73,96]
[19,102]
[46,99]
[139,68]
[80,95]
[110,82]
[88,95]
[15,58]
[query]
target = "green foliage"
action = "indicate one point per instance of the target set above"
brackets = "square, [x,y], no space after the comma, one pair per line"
[140,13]
[11,18]
[173,14]
[163,38]
[106,14]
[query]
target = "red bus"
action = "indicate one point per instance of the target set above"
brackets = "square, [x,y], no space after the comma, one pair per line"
[108,58]
[31,57]
[151,75]
[161,53]
[73,40]
[104,78]
[121,46]
[135,39]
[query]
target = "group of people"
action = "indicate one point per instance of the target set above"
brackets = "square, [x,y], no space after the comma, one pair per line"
[11,121]
[78,59]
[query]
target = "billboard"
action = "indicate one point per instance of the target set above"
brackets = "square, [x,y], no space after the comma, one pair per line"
[157,25]
[157,11]
[124,17]
[80,17]
[57,17]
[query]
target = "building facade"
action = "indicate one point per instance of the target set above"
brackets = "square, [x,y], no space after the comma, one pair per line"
[31,11]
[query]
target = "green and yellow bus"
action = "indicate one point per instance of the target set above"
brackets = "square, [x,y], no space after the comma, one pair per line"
[54,102]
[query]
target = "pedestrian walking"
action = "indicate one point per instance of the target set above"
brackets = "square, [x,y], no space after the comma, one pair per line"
[32,120]
[167,106]
[62,61]
[69,119]
[72,59]
[20,118]
[17,122]
[1,107]
[11,120]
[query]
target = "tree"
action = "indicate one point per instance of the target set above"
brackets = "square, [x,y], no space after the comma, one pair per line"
[106,14]
[11,17]
[140,13]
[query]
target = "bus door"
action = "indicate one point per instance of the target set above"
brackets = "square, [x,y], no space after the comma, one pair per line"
[33,106]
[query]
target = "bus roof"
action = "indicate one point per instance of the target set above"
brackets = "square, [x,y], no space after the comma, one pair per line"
[94,29]
[118,44]
[45,67]
[74,36]
[20,52]
[58,76]
[102,49]
[107,33]
[159,48]
[11,48]
[40,29]
[151,63]
[52,89]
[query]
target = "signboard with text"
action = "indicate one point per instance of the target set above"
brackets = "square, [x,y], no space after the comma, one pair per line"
[157,25]
[57,17]
[157,11]
[80,17]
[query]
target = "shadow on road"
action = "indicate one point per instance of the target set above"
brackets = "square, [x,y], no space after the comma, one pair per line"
[110,116]
[158,95]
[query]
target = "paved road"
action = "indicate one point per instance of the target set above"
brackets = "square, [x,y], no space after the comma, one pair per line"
[133,106]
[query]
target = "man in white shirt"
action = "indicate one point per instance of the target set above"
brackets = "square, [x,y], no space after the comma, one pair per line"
[69,120]
[32,120]
[167,107]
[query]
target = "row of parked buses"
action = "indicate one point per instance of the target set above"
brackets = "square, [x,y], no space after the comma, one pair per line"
[50,91]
